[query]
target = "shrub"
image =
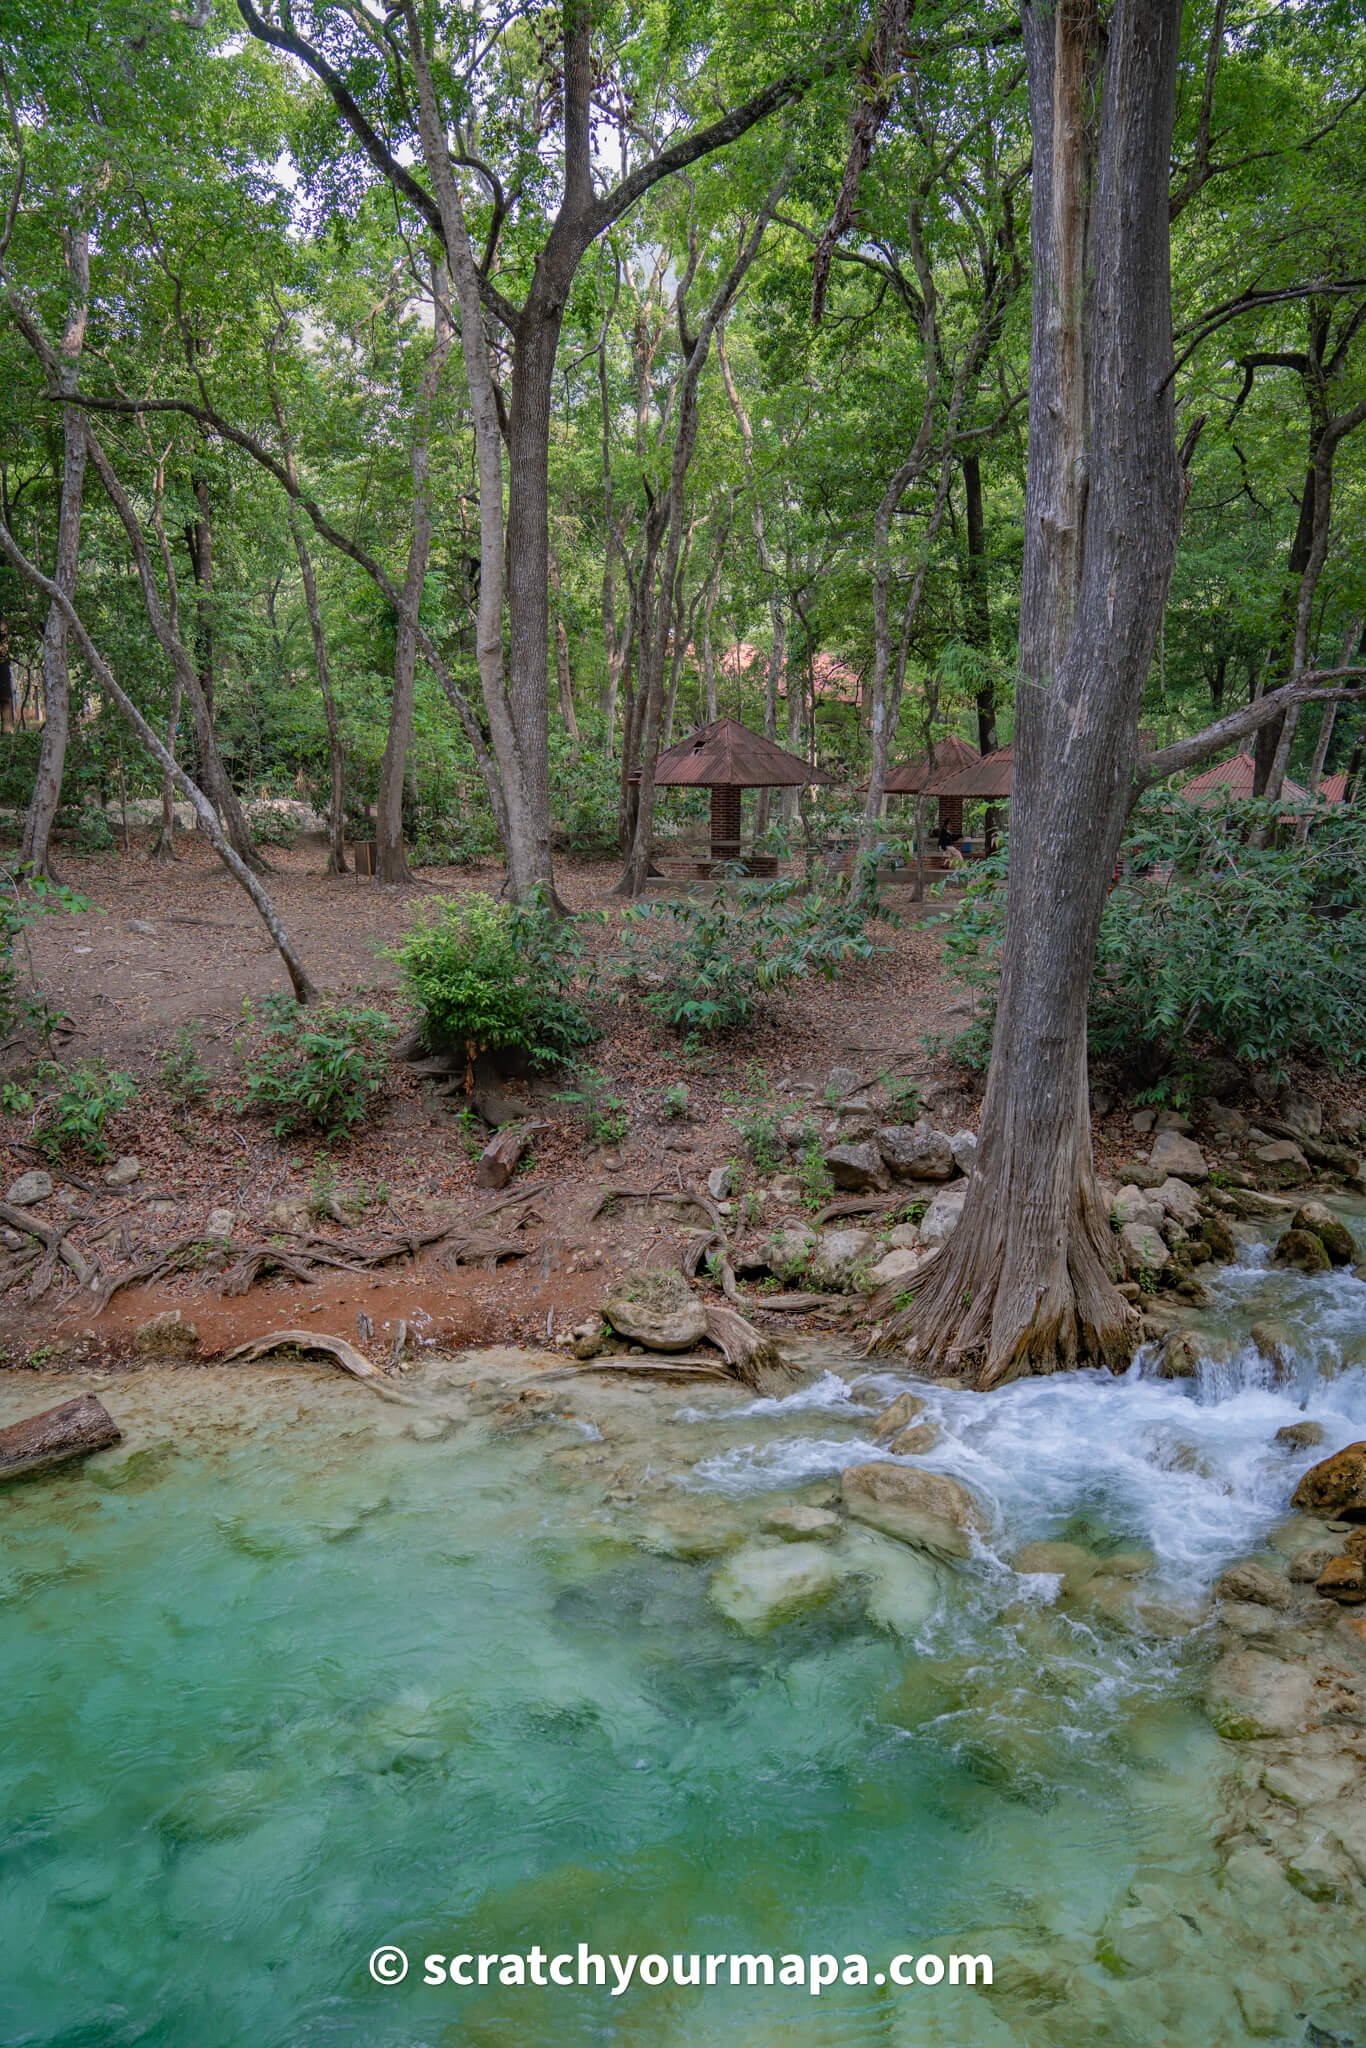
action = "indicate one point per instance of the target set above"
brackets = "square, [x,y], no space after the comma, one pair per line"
[20,904]
[494,976]
[705,963]
[184,1075]
[314,1069]
[1212,942]
[602,1110]
[80,1102]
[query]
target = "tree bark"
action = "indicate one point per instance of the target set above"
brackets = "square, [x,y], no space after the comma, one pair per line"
[1025,1283]
[35,848]
[336,758]
[71,1430]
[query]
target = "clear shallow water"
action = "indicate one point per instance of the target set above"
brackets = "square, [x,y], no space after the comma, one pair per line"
[282,1683]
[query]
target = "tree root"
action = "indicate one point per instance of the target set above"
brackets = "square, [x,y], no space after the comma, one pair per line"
[744,1350]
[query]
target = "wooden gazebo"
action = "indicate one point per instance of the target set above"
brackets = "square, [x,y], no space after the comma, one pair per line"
[725,758]
[1232,778]
[914,777]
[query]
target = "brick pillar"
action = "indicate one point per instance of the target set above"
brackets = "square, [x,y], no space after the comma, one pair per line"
[725,824]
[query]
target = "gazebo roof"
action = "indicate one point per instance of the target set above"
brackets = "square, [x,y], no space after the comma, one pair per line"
[988,775]
[1233,777]
[951,754]
[727,755]
[1333,788]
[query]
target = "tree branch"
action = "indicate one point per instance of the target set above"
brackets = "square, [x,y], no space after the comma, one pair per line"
[1315,686]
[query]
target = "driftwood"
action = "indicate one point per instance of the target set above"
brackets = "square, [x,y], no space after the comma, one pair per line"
[683,1365]
[346,1355]
[71,1430]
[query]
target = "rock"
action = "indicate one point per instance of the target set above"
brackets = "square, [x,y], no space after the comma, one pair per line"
[585,1339]
[1172,1120]
[1302,1114]
[840,1082]
[1218,1240]
[1300,1249]
[1180,1201]
[943,1216]
[1337,1240]
[1142,1250]
[857,1168]
[1285,1157]
[1142,1121]
[797,1524]
[1185,1351]
[1250,1697]
[219,1224]
[789,1251]
[659,1310]
[925,1509]
[904,1587]
[916,1151]
[895,1269]
[894,1418]
[31,1187]
[142,925]
[1300,1436]
[1336,1488]
[289,1212]
[836,1255]
[1137,1205]
[1137,1175]
[766,1582]
[1306,1565]
[123,1172]
[905,1237]
[915,1441]
[1179,1156]
[1102,1102]
[1343,1579]
[1253,1582]
[165,1335]
[721,1183]
[963,1145]
[1275,1346]
[73,1429]
[1069,1562]
[1225,1122]
[1127,1564]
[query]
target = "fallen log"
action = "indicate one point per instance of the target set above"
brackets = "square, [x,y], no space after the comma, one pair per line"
[71,1430]
[502,1155]
[745,1351]
[346,1355]
[795,1304]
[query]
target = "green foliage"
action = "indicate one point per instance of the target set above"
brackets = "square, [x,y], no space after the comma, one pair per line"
[495,976]
[1211,942]
[313,1070]
[704,963]
[78,1103]
[676,1099]
[757,1122]
[817,1182]
[184,1075]
[595,1101]
[270,827]
[905,1103]
[20,904]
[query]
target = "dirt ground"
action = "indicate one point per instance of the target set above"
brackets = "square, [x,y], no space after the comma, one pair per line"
[161,948]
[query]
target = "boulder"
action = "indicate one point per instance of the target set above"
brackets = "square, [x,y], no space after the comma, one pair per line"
[916,1151]
[71,1430]
[1255,1583]
[31,1187]
[1336,1488]
[840,1081]
[1138,1205]
[764,1583]
[123,1172]
[1343,1579]
[1185,1351]
[905,1237]
[836,1255]
[289,1212]
[165,1335]
[1069,1562]
[856,1168]
[1250,1696]
[1174,1154]
[789,1251]
[721,1183]
[798,1524]
[963,1145]
[895,1269]
[915,1441]
[658,1310]
[1137,1175]
[895,1417]
[1142,1121]
[1218,1240]
[1180,1201]
[586,1338]
[1337,1240]
[928,1510]
[219,1224]
[1225,1122]
[1302,1250]
[1300,1436]
[1307,1565]
[1284,1158]
[1142,1250]
[1302,1114]
[943,1216]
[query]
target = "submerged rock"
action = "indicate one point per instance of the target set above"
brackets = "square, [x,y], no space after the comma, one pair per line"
[766,1582]
[1250,1696]
[1336,1488]
[796,1523]
[1337,1240]
[1302,1250]
[1300,1436]
[928,1510]
[1250,1581]
[894,1418]
[1070,1562]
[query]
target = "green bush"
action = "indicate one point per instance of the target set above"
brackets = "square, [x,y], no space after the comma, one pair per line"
[596,1102]
[77,1104]
[184,1075]
[313,1070]
[705,963]
[1211,943]
[495,976]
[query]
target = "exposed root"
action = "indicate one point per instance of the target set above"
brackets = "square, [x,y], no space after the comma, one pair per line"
[744,1350]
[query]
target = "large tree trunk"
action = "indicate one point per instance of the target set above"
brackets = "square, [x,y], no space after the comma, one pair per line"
[336,758]
[35,850]
[1025,1283]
